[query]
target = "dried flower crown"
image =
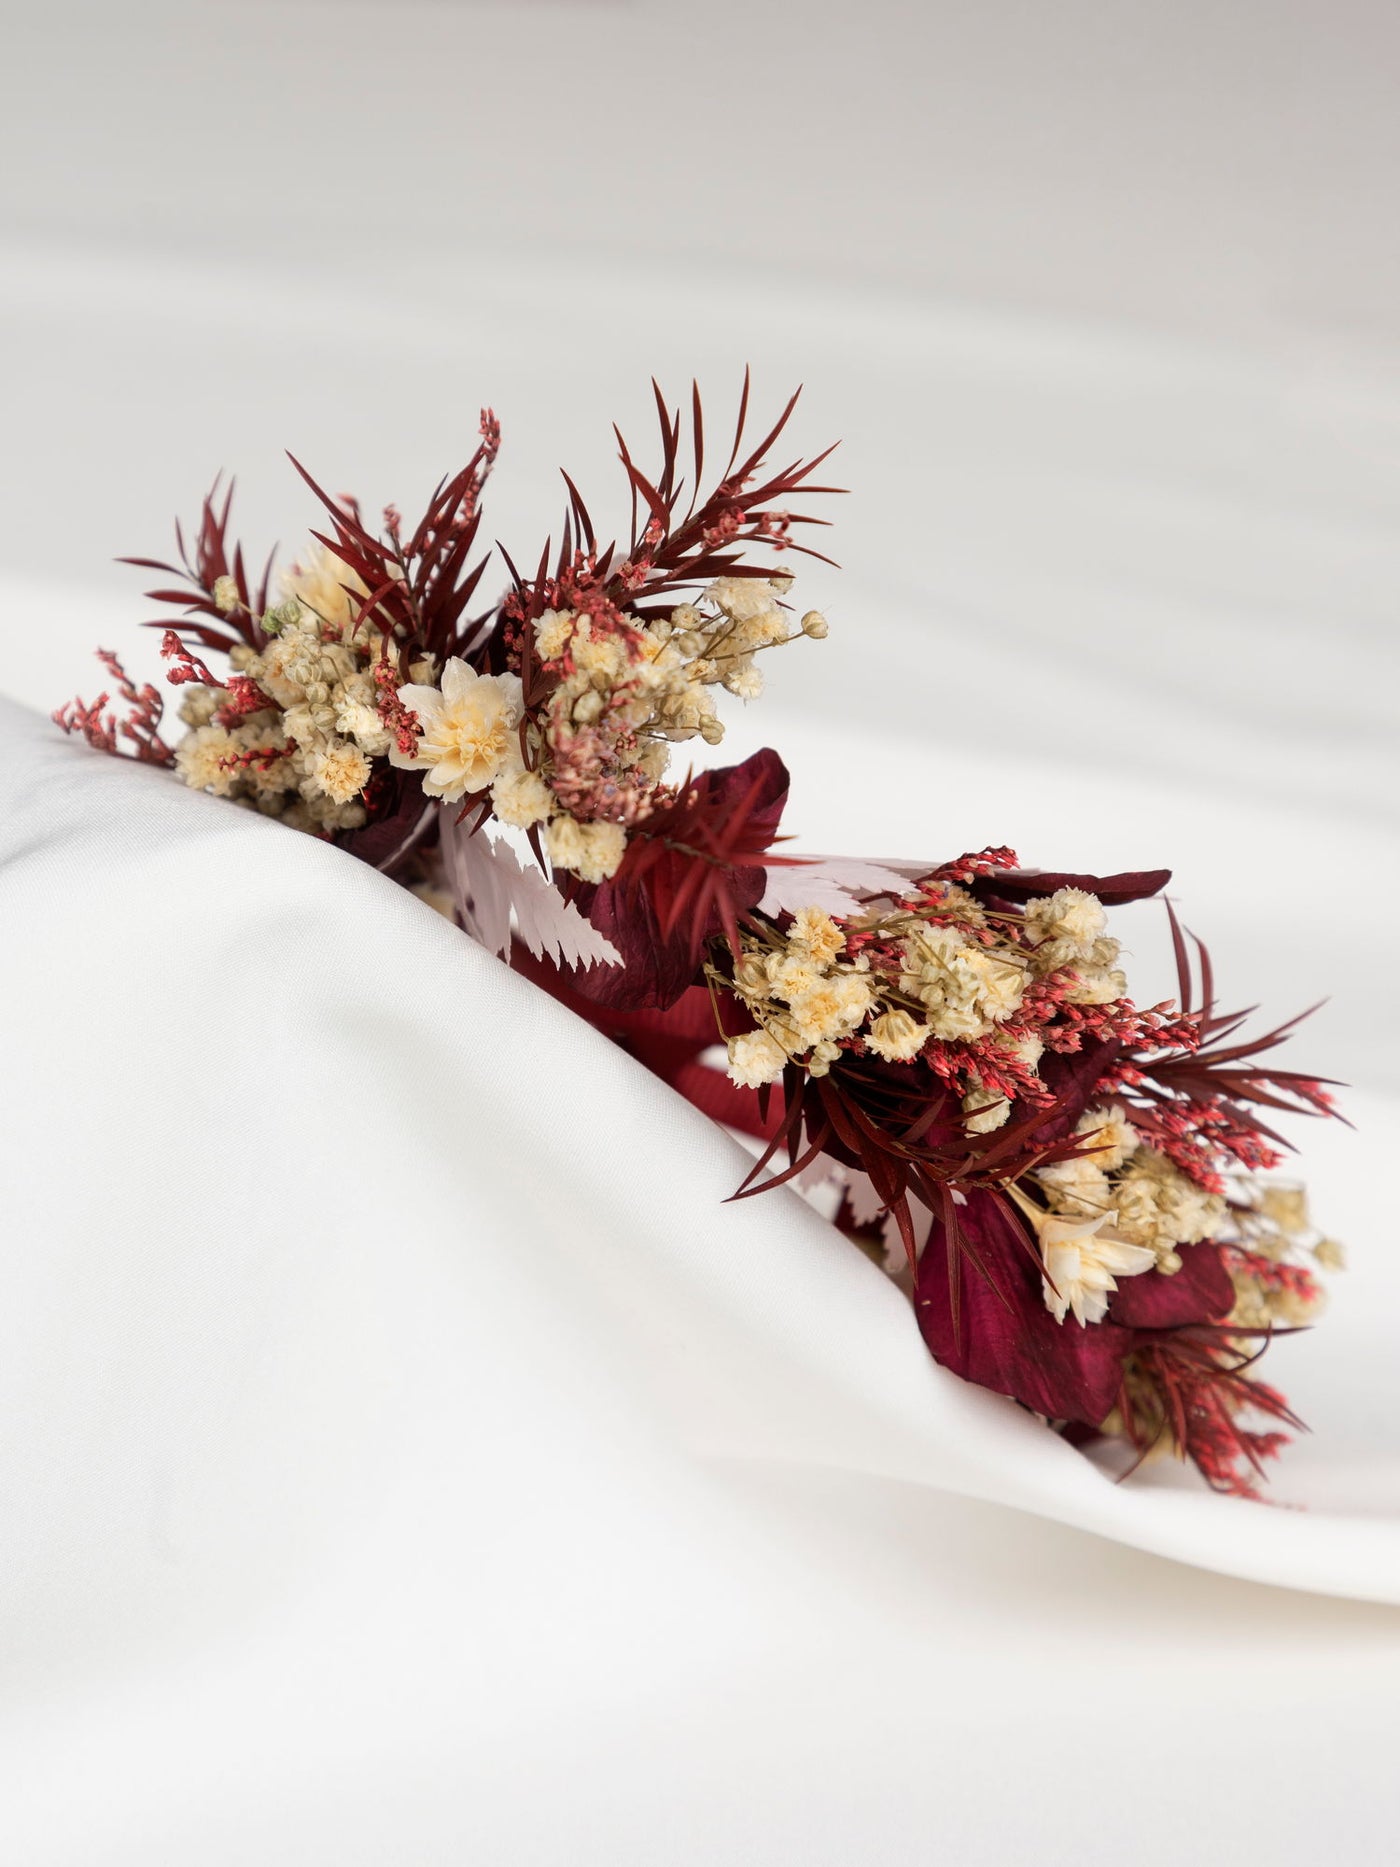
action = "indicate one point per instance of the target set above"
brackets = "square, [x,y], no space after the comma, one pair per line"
[1068,1187]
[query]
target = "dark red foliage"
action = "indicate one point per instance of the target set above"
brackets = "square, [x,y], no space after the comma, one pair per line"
[678,539]
[1203,1105]
[670,1043]
[1192,1387]
[692,870]
[1021,885]
[1073,1077]
[213,558]
[992,1326]
[401,819]
[901,1125]
[419,586]
[1165,1358]
[1201,1291]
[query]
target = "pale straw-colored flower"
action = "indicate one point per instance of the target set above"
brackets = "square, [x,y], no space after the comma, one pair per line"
[755,1059]
[467,730]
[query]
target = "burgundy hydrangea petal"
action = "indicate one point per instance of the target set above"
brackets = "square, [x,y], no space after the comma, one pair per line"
[402,805]
[631,910]
[654,971]
[1201,1291]
[1006,1339]
[1073,1077]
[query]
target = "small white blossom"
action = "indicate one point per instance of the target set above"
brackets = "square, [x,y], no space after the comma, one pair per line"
[521,798]
[897,1037]
[984,1110]
[745,683]
[755,1059]
[339,772]
[467,730]
[1082,1265]
[1070,915]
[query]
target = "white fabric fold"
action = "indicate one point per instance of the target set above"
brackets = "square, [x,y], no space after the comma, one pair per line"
[378,1351]
[275,1080]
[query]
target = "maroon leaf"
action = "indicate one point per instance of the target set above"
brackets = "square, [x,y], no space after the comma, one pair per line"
[1031,884]
[1201,1291]
[692,869]
[1004,1338]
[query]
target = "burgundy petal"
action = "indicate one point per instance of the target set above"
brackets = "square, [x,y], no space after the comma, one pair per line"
[1073,1076]
[1201,1291]
[731,815]
[400,809]
[1006,1339]
[1031,884]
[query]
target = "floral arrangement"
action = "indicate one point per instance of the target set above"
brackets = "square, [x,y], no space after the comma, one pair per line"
[943,1055]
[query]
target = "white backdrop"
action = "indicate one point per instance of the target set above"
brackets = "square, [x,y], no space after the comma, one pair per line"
[351,1527]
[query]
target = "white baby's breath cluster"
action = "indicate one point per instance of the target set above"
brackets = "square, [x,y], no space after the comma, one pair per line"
[1132,1188]
[1279,1247]
[623,692]
[950,971]
[307,757]
[805,996]
[1066,930]
[1116,1209]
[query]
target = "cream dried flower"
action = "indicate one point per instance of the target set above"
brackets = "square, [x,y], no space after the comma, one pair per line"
[340,772]
[1158,1206]
[1070,915]
[1097,985]
[327,586]
[563,842]
[816,933]
[467,730]
[592,851]
[792,973]
[984,1110]
[1285,1205]
[821,1058]
[1001,983]
[755,1058]
[521,798]
[832,1008]
[604,846]
[897,1037]
[1082,1265]
[201,760]
[742,598]
[1078,1186]
[966,988]
[357,719]
[1114,1136]
[751,976]
[745,683]
[199,704]
[604,658]
[552,632]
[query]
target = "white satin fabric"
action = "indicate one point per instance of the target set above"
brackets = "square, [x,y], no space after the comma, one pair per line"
[406,1456]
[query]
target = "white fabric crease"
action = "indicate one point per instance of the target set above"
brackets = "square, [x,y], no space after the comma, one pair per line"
[470,1483]
[370,1326]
